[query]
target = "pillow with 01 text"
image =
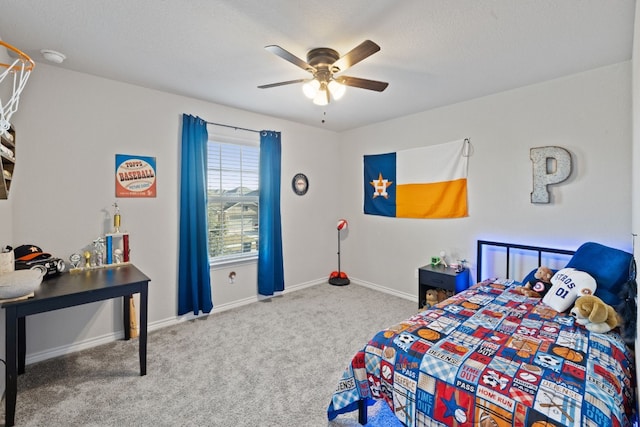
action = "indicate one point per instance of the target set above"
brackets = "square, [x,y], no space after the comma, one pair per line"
[567,285]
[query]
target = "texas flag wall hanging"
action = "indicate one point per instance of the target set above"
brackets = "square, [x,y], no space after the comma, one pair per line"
[425,182]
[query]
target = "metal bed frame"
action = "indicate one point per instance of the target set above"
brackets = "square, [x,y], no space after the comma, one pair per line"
[508,246]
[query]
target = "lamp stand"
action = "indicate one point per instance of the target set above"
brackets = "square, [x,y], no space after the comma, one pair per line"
[341,278]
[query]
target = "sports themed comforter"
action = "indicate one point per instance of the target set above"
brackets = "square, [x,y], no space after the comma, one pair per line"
[489,356]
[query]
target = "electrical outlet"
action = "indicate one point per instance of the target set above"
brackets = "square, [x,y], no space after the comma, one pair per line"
[415,273]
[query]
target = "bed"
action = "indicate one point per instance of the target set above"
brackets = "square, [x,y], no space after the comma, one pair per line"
[490,356]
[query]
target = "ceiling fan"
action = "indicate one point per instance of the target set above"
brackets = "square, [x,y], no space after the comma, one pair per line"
[323,63]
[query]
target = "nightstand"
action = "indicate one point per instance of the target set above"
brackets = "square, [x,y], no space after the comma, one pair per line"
[440,277]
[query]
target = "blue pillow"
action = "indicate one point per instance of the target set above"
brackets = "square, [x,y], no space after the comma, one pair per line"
[608,266]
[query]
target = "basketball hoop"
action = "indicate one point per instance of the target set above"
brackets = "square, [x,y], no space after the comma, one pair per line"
[20,70]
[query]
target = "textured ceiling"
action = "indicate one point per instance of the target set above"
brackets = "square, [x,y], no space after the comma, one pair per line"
[433,52]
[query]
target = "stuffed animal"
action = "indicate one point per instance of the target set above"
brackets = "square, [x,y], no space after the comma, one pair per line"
[442,295]
[432,297]
[539,285]
[594,314]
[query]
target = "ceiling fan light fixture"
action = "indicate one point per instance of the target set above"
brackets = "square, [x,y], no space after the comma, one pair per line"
[310,88]
[322,97]
[323,63]
[336,89]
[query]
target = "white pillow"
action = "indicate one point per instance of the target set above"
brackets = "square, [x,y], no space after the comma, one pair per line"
[567,285]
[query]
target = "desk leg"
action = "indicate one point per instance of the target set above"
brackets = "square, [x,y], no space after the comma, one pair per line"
[22,344]
[144,290]
[126,309]
[11,373]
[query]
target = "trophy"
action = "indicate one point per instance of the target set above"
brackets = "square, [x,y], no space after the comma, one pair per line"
[74,259]
[98,248]
[116,218]
[117,255]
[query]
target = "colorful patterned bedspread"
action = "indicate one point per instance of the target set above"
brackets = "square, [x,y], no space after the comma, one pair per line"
[489,356]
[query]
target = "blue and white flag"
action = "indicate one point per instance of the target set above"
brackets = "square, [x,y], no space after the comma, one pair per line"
[426,182]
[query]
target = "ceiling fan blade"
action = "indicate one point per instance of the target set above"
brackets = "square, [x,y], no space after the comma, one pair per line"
[282,83]
[277,50]
[362,83]
[357,54]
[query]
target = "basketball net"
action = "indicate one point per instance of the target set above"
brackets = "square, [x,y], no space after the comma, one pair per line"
[16,74]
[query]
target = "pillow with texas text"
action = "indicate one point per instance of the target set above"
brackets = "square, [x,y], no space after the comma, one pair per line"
[566,286]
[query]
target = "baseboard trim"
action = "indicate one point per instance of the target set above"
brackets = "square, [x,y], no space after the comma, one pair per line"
[160,324]
[72,348]
[153,326]
[384,289]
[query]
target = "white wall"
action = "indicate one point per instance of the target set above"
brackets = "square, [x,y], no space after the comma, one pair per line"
[635,180]
[71,125]
[587,114]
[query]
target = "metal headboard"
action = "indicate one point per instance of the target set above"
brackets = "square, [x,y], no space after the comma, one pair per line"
[508,246]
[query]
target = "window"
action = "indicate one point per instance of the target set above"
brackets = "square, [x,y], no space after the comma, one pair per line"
[233,191]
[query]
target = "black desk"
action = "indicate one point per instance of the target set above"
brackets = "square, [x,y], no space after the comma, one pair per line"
[68,290]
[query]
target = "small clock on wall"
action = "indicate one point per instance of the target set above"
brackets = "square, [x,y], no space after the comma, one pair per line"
[300,184]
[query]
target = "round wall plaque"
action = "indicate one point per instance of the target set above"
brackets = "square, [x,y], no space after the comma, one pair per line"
[300,184]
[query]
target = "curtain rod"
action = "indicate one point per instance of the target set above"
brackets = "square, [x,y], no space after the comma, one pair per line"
[233,127]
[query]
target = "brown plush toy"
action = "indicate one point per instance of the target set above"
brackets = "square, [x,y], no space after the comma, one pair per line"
[594,314]
[432,297]
[538,287]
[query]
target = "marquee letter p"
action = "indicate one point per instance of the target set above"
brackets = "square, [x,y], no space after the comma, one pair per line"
[551,165]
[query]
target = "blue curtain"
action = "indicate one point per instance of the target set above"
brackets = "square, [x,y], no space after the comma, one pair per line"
[194,281]
[270,266]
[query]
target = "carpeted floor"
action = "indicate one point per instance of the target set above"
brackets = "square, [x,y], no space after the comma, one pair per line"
[270,363]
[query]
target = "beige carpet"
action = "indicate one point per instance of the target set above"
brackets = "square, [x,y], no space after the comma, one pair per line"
[270,363]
